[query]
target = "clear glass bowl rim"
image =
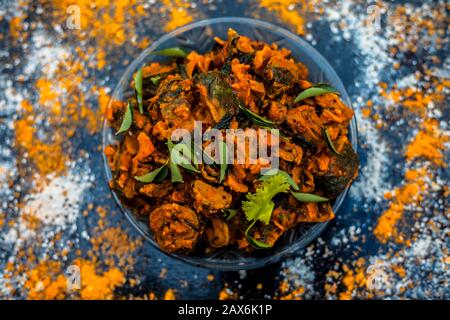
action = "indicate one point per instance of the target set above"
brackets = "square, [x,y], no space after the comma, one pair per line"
[253,262]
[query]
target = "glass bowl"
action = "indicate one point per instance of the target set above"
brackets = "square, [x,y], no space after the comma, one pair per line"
[199,36]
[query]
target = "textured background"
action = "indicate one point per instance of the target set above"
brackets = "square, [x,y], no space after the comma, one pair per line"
[390,238]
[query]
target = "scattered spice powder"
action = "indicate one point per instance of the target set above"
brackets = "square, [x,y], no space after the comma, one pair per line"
[62,98]
[429,143]
[290,12]
[409,193]
[177,12]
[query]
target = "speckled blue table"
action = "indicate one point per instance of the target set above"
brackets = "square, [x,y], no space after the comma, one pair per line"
[367,45]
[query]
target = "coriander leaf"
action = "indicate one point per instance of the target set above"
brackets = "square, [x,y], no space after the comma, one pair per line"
[171,52]
[156,175]
[138,87]
[259,205]
[127,120]
[223,160]
[330,142]
[308,197]
[230,213]
[316,90]
[272,172]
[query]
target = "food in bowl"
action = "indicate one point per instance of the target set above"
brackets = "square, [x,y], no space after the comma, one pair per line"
[226,199]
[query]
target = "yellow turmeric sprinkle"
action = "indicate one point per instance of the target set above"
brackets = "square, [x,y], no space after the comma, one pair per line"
[107,22]
[98,286]
[410,192]
[46,282]
[178,14]
[16,27]
[288,11]
[429,143]
[413,99]
[295,294]
[48,158]
[169,295]
[227,294]
[353,279]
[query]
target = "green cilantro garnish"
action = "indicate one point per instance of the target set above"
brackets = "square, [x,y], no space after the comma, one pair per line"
[259,205]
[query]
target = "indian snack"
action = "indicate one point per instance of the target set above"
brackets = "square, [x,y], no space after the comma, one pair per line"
[241,84]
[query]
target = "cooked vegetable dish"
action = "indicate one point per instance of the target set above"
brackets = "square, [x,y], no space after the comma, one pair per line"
[240,84]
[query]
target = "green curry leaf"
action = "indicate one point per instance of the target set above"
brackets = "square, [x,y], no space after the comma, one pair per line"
[223,160]
[308,197]
[230,213]
[156,175]
[127,120]
[138,87]
[176,175]
[257,119]
[316,90]
[182,155]
[329,141]
[171,52]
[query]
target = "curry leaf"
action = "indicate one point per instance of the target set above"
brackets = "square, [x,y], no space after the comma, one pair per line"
[156,175]
[182,155]
[330,141]
[171,52]
[138,87]
[176,175]
[262,122]
[230,213]
[223,160]
[308,197]
[273,172]
[127,120]
[257,119]
[316,90]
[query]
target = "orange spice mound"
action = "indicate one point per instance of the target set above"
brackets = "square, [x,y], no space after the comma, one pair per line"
[352,278]
[107,22]
[117,244]
[410,193]
[47,157]
[288,11]
[429,143]
[98,286]
[227,294]
[47,281]
[178,14]
[169,295]
[286,294]
[414,100]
